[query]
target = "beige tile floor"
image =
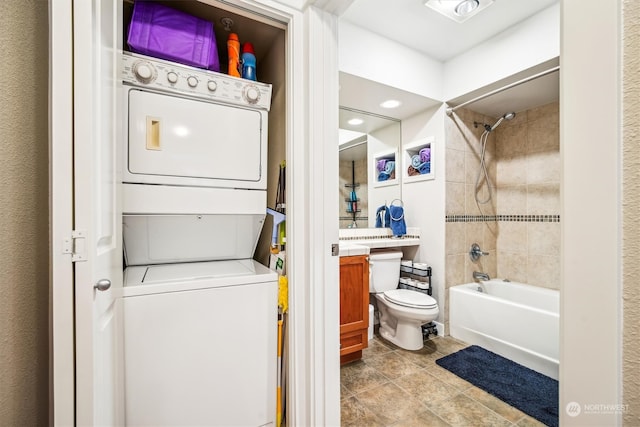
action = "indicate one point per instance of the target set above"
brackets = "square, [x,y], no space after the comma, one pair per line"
[395,387]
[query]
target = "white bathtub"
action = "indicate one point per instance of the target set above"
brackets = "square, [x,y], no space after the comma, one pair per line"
[515,320]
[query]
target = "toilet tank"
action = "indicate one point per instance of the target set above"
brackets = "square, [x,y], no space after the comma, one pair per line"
[384,270]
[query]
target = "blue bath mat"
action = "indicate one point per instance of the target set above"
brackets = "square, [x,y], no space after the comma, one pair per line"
[531,392]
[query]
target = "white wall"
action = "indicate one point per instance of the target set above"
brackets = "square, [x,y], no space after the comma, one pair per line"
[370,56]
[525,45]
[424,201]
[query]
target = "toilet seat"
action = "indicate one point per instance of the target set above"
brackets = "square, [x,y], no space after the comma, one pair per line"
[411,299]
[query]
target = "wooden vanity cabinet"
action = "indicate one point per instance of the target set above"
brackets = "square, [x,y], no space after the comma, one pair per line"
[354,306]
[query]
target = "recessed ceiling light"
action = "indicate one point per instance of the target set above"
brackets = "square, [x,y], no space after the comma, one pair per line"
[355,122]
[458,10]
[390,103]
[466,7]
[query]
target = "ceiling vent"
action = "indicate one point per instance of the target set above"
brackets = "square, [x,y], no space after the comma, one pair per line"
[458,10]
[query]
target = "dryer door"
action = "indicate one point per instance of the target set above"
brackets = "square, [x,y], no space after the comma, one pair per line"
[180,141]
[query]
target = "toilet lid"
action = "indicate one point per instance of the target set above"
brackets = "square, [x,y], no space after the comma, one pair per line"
[412,299]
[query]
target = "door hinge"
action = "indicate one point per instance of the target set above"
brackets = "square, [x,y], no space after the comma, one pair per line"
[75,245]
[335,249]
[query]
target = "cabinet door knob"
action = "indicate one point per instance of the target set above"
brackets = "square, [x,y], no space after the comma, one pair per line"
[102,285]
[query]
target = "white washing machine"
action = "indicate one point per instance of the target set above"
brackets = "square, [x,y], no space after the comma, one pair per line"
[200,344]
[199,314]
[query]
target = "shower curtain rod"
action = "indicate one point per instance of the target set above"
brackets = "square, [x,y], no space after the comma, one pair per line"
[450,110]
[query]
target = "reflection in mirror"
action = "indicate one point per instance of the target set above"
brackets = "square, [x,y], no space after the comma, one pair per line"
[368,145]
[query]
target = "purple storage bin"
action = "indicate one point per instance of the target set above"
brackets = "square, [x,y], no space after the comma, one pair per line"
[166,33]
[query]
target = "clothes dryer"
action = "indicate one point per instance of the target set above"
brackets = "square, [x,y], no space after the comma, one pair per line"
[190,127]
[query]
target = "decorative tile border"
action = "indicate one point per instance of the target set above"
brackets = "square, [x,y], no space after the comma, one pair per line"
[375,233]
[374,237]
[502,218]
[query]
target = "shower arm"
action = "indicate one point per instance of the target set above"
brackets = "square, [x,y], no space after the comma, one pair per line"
[450,110]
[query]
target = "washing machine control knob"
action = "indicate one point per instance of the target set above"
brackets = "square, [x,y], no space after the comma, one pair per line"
[172,77]
[252,94]
[144,71]
[141,71]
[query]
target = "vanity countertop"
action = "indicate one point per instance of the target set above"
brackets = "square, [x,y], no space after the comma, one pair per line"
[353,249]
[390,242]
[376,238]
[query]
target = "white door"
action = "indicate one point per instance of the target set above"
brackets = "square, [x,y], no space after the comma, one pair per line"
[97,215]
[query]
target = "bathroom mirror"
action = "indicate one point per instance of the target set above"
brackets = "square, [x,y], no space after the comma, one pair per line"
[368,147]
[369,144]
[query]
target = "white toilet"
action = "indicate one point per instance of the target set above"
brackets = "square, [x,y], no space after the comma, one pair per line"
[402,311]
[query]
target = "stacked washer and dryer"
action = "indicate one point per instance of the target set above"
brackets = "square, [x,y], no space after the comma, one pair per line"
[199,314]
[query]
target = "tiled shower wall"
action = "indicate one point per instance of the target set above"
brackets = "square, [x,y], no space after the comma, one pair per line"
[528,180]
[345,172]
[464,224]
[520,226]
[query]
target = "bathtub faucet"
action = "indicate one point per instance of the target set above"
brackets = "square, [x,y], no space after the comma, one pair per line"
[475,253]
[478,275]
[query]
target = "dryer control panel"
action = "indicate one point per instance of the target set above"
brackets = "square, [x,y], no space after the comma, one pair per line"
[154,73]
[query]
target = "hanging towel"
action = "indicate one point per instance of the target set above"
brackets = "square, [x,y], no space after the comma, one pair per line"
[380,165]
[425,168]
[416,162]
[425,155]
[398,226]
[382,217]
[412,171]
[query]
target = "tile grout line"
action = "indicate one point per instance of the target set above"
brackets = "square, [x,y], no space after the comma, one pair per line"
[482,404]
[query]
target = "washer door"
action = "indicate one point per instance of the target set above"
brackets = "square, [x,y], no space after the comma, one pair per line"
[173,138]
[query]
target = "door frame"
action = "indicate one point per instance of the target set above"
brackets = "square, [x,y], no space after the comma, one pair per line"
[312,100]
[587,291]
[62,369]
[320,343]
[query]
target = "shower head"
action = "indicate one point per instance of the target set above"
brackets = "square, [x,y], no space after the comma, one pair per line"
[507,116]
